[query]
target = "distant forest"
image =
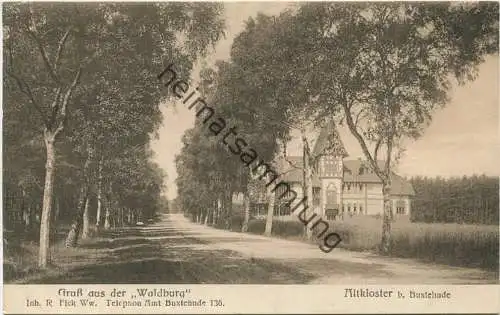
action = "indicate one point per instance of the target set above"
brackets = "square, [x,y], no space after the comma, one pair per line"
[472,200]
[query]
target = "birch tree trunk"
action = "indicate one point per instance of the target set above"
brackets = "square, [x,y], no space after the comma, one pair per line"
[270,212]
[57,208]
[25,210]
[229,212]
[99,196]
[207,211]
[216,211]
[27,217]
[246,205]
[43,254]
[308,185]
[222,210]
[76,226]
[86,221]
[54,218]
[309,194]
[387,218]
[72,238]
[107,223]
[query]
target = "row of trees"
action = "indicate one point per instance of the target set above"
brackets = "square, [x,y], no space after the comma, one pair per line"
[471,199]
[382,69]
[81,105]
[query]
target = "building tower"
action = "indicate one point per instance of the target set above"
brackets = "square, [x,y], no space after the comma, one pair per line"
[331,150]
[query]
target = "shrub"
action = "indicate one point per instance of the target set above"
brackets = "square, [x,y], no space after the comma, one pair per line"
[256,226]
[288,228]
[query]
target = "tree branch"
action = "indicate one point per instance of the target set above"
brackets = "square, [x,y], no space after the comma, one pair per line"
[54,106]
[362,143]
[377,147]
[358,116]
[45,57]
[65,101]
[287,160]
[60,48]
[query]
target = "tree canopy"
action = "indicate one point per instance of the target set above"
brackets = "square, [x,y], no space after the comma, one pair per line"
[81,81]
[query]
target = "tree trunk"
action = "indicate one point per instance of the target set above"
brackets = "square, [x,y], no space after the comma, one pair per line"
[386,243]
[25,210]
[57,208]
[229,210]
[207,211]
[99,196]
[86,220]
[308,185]
[309,191]
[246,218]
[107,224]
[27,217]
[72,238]
[43,254]
[122,217]
[54,218]
[76,226]
[216,210]
[270,212]
[107,216]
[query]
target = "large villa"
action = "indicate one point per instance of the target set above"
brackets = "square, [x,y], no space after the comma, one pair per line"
[340,186]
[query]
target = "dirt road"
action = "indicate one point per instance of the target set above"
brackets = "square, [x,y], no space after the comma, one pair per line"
[175,250]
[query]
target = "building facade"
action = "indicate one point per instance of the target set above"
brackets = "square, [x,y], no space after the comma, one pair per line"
[341,187]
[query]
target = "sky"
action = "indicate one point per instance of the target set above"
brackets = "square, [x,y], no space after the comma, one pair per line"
[463,138]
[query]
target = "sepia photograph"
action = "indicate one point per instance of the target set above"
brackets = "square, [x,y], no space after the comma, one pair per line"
[217,143]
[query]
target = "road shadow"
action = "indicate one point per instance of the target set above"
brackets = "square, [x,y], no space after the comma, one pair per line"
[179,260]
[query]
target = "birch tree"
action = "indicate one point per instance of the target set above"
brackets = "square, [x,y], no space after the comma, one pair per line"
[387,67]
[52,52]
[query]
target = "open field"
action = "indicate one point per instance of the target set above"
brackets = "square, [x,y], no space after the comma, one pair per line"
[443,243]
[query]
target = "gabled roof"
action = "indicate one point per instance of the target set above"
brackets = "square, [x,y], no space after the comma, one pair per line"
[329,142]
[360,171]
[399,185]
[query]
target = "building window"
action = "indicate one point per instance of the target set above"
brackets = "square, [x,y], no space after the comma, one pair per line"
[329,167]
[400,207]
[354,208]
[349,208]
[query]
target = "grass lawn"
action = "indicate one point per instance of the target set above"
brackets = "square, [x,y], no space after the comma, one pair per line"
[21,256]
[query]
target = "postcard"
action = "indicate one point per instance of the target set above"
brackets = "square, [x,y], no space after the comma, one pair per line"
[250,157]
